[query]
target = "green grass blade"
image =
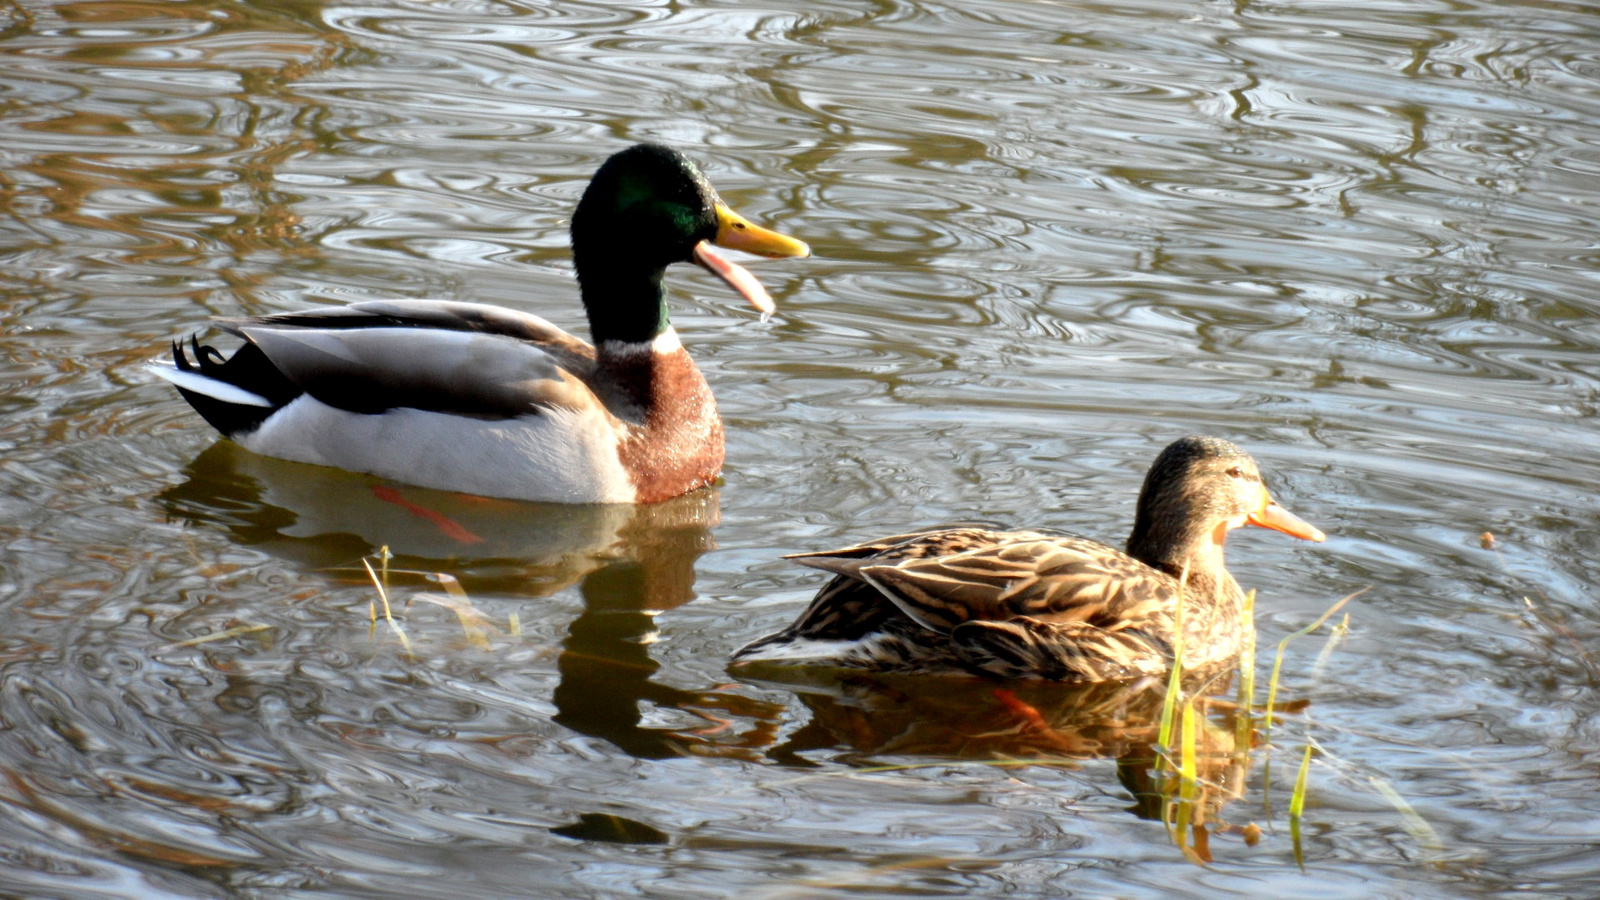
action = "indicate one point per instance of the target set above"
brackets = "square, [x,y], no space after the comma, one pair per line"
[1174,677]
[1277,664]
[1297,806]
[1335,638]
[1189,772]
[1415,825]
[388,614]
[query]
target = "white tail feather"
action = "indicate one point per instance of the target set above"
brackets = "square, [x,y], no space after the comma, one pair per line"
[211,387]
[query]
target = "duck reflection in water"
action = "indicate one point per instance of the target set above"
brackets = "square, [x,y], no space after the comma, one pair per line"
[606,667]
[871,719]
[630,563]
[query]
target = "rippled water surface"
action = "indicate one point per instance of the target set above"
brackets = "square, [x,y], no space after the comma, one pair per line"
[1358,239]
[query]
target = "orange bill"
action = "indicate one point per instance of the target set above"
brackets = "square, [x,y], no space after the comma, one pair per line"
[1279,519]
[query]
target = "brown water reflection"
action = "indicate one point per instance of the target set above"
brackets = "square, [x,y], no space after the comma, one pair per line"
[886,719]
[630,563]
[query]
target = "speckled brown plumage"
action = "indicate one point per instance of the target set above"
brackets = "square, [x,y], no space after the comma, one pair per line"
[1037,604]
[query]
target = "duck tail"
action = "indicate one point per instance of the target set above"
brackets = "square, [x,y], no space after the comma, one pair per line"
[234,395]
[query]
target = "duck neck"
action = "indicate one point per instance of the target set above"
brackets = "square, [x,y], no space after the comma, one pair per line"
[1183,550]
[624,305]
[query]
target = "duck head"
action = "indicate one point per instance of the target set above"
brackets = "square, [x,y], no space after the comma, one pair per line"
[647,207]
[1198,490]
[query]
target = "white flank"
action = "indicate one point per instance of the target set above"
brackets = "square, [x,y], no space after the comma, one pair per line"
[558,456]
[214,388]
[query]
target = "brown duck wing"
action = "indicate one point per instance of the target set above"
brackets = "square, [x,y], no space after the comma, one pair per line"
[1029,648]
[844,610]
[945,540]
[1054,579]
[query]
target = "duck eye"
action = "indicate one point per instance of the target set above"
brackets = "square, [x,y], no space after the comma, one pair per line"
[1235,472]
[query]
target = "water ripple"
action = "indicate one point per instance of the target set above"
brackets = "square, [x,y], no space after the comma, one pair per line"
[1048,239]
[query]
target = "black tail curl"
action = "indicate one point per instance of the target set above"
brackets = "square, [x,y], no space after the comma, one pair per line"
[249,370]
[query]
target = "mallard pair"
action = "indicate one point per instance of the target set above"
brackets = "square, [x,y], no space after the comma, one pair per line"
[486,400]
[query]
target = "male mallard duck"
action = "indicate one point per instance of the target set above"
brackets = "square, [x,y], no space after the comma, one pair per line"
[486,400]
[1031,604]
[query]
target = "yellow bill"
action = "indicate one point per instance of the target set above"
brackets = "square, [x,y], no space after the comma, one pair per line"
[737,233]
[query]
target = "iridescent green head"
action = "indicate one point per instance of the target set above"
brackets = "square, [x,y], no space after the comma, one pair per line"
[648,207]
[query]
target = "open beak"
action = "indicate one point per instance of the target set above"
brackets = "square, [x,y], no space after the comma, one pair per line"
[737,233]
[1273,516]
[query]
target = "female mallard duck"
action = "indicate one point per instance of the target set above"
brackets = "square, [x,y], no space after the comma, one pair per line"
[1030,604]
[487,400]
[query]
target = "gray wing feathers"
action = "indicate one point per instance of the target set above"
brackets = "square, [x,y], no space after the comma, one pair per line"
[370,370]
[450,315]
[478,317]
[438,315]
